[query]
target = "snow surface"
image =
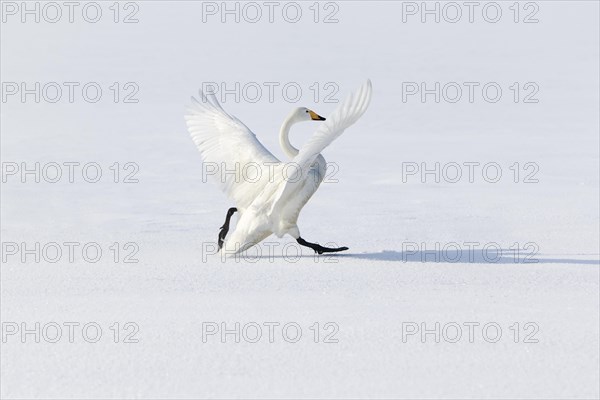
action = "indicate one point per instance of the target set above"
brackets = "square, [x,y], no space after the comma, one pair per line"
[372,292]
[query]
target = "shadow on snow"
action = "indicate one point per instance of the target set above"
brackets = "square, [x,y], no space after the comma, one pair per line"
[470,256]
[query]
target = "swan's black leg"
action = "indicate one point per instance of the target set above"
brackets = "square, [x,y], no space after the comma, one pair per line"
[225,227]
[318,248]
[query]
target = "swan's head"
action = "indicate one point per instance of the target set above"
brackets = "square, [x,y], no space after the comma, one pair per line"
[304,114]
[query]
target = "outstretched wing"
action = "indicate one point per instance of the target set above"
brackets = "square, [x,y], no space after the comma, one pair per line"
[228,146]
[346,114]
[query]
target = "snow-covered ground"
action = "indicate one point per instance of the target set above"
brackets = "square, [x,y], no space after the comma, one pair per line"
[380,320]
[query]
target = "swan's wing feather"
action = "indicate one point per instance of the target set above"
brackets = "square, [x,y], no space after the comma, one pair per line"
[346,114]
[225,142]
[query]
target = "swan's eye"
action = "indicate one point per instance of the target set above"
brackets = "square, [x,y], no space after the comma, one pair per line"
[306,111]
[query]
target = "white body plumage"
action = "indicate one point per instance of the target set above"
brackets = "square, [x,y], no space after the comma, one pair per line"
[271,201]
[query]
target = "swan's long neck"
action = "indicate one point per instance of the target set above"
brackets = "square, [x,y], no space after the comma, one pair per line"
[284,137]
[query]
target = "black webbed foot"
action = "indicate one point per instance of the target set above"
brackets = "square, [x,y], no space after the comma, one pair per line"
[318,248]
[225,228]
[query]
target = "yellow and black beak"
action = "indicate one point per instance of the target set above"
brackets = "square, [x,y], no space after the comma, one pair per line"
[315,117]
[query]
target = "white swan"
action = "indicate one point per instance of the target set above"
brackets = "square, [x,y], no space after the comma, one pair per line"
[267,193]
